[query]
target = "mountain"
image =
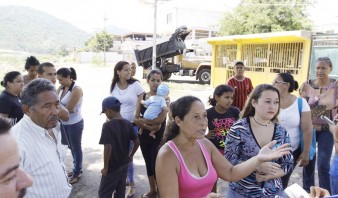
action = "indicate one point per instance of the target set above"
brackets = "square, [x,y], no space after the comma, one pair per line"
[27,29]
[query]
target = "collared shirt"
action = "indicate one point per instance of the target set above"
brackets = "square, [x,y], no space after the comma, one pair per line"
[42,158]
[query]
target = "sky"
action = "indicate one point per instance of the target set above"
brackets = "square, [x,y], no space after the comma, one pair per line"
[134,15]
[137,15]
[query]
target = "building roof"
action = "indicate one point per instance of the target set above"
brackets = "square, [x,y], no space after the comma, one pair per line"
[287,36]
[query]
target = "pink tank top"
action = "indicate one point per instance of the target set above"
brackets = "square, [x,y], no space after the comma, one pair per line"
[190,185]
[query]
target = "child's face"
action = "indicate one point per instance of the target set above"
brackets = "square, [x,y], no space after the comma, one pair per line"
[225,100]
[109,113]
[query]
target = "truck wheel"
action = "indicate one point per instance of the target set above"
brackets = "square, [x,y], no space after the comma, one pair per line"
[204,76]
[166,75]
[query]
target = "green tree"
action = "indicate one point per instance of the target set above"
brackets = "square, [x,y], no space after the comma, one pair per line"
[260,16]
[100,42]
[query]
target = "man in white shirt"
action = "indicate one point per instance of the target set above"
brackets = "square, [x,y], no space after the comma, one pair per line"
[47,71]
[13,180]
[40,143]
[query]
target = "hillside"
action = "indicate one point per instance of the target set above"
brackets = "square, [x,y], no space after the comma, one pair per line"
[27,29]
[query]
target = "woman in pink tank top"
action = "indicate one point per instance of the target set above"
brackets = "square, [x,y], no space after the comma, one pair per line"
[188,165]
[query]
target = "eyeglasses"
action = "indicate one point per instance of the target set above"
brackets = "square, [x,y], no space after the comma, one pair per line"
[276,82]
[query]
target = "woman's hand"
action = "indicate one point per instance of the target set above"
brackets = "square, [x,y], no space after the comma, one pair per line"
[303,159]
[268,168]
[262,177]
[316,191]
[267,153]
[210,134]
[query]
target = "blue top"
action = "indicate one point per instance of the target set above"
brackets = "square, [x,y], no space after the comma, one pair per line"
[154,105]
[241,145]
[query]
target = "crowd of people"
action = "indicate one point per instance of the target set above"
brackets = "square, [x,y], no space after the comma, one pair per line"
[252,137]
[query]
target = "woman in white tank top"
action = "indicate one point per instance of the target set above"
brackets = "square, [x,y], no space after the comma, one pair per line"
[71,95]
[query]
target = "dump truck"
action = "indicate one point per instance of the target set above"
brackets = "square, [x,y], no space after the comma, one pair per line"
[173,57]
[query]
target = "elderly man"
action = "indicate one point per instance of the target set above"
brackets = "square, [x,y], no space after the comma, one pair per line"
[13,180]
[40,143]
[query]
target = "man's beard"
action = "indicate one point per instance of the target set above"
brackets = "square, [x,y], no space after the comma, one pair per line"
[22,193]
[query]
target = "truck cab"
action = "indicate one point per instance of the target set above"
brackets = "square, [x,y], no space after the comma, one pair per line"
[195,62]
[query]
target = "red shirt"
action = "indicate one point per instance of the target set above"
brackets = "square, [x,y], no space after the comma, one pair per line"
[242,89]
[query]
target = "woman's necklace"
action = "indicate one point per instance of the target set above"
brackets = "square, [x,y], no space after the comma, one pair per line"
[265,125]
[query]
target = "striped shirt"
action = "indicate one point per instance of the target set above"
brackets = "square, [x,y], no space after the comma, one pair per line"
[242,89]
[41,157]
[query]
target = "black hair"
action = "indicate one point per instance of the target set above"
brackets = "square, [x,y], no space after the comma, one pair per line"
[118,67]
[9,77]
[248,109]
[239,63]
[31,61]
[43,65]
[154,71]
[29,95]
[326,60]
[5,126]
[288,78]
[219,90]
[65,72]
[180,109]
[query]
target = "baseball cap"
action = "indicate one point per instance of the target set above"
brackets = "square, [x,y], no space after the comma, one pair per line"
[162,90]
[109,103]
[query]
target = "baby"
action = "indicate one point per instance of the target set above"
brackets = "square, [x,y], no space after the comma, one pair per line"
[155,105]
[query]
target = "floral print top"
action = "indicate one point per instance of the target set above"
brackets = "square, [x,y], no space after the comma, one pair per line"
[241,145]
[323,100]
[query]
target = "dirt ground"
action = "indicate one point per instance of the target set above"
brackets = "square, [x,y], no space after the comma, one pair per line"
[95,82]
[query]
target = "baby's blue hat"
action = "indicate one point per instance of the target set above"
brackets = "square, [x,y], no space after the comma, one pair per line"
[162,90]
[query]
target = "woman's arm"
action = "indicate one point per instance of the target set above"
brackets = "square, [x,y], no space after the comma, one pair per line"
[226,171]
[307,127]
[74,99]
[63,113]
[166,169]
[160,118]
[138,106]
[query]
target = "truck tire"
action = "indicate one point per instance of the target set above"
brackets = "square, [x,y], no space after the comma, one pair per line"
[166,75]
[204,76]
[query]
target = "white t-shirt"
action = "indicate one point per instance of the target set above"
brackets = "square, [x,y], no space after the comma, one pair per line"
[128,98]
[289,118]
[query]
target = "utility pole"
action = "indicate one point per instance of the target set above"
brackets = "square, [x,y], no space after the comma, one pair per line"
[154,35]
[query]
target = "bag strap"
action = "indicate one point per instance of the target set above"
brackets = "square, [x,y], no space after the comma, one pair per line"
[300,106]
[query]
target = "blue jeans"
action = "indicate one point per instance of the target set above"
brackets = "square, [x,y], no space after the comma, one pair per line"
[334,175]
[324,147]
[74,135]
[130,173]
